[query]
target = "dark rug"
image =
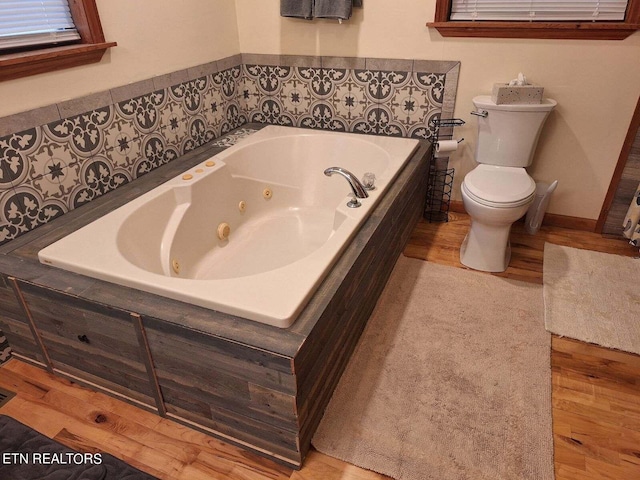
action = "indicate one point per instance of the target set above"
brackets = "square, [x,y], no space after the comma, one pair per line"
[28,455]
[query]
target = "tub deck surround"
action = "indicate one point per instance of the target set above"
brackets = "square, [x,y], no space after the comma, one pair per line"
[254,385]
[280,245]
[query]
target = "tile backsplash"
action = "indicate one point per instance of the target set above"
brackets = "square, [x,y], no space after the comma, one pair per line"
[64,157]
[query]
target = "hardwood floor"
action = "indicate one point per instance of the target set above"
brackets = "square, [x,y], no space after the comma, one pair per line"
[596,396]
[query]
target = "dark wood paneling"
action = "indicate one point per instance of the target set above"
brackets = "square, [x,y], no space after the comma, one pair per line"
[221,375]
[89,337]
[15,325]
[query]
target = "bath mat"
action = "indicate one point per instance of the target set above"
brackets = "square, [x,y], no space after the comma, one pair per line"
[451,380]
[29,455]
[593,297]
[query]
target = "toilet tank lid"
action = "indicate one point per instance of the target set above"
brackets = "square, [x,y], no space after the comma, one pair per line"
[485,102]
[500,184]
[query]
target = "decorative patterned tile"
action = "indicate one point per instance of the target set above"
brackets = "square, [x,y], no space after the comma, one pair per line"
[126,153]
[270,111]
[8,209]
[51,158]
[233,117]
[155,152]
[378,120]
[189,95]
[269,79]
[25,210]
[413,106]
[226,82]
[322,81]
[198,133]
[388,82]
[322,115]
[248,94]
[144,111]
[58,184]
[233,138]
[176,134]
[295,96]
[369,81]
[84,133]
[350,100]
[96,178]
[434,82]
[120,132]
[14,152]
[214,112]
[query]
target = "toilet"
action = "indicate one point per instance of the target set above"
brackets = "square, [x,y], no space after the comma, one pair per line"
[499,190]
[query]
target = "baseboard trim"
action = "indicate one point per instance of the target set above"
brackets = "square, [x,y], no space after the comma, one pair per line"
[550,219]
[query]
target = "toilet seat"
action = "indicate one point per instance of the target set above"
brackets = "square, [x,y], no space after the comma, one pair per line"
[499,187]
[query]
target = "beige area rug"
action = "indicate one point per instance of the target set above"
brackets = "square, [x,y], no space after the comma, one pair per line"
[451,380]
[593,297]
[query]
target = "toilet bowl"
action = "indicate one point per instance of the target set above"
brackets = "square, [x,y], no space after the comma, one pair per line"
[499,191]
[494,197]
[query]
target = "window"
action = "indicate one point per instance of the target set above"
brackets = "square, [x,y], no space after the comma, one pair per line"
[33,22]
[64,33]
[573,19]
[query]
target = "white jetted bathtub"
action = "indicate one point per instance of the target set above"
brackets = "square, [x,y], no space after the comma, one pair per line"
[250,232]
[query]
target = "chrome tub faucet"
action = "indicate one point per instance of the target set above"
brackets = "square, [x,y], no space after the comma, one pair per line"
[359,190]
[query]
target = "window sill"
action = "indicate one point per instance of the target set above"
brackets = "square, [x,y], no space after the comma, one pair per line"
[574,31]
[18,65]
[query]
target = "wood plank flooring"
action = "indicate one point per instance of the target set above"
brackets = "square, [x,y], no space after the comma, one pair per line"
[596,396]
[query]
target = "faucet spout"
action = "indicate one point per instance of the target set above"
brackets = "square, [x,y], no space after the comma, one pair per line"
[358,189]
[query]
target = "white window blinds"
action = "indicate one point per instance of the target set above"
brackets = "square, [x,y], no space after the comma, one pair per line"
[538,10]
[30,22]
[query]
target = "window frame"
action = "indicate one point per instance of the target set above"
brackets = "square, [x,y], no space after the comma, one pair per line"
[89,49]
[545,30]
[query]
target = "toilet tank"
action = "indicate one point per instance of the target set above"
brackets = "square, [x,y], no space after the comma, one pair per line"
[508,135]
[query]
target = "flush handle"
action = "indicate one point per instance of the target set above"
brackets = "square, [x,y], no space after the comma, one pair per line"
[481,113]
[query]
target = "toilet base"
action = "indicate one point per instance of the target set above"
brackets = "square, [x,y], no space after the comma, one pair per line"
[475,254]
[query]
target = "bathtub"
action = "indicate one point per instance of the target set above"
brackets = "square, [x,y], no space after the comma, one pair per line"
[250,232]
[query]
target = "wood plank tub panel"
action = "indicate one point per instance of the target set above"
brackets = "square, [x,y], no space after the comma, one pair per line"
[196,372]
[15,325]
[245,431]
[251,361]
[91,337]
